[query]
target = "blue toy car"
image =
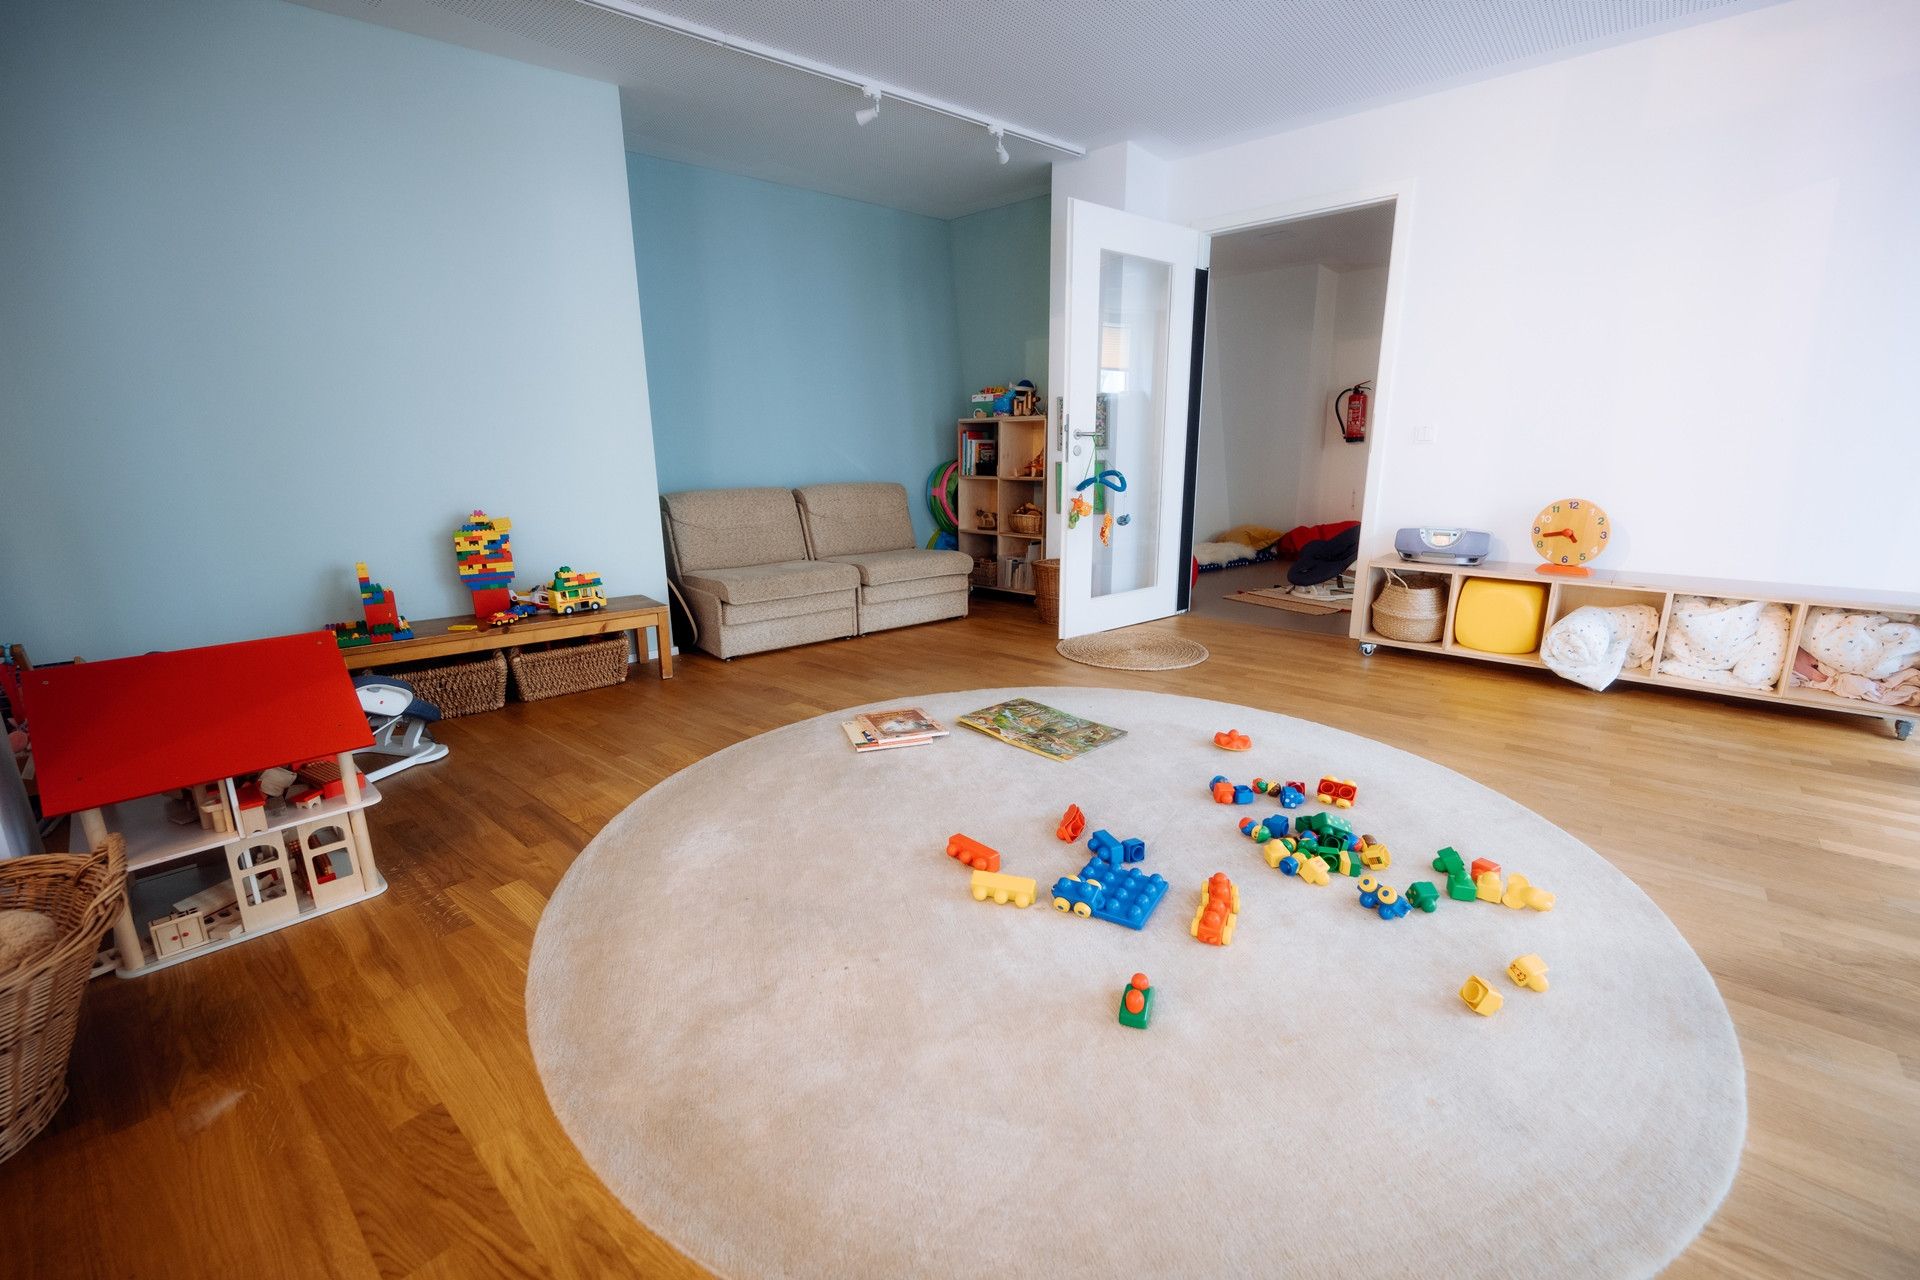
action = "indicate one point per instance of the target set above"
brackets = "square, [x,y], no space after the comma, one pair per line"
[1071,893]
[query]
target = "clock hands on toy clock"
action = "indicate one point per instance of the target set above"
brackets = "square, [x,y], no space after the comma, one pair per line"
[1568,534]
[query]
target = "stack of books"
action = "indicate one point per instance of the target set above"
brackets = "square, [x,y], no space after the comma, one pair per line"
[885,730]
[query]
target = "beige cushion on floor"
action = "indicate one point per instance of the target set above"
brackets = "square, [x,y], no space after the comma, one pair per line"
[25,936]
[750,584]
[877,567]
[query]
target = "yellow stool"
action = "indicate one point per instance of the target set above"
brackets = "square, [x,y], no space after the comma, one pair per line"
[1495,616]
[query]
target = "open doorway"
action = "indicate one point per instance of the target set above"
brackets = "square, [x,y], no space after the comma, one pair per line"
[1294,317]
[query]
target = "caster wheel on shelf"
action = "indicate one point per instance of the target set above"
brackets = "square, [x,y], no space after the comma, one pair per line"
[1901,728]
[1366,649]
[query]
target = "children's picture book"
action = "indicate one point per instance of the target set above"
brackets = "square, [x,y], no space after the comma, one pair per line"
[864,738]
[901,722]
[1043,730]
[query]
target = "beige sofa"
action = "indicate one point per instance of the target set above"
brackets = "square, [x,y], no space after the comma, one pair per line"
[868,527]
[766,568]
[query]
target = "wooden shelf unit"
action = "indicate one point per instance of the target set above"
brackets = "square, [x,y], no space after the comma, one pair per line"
[1604,587]
[1017,442]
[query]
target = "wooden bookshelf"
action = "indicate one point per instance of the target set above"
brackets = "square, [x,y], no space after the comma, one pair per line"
[1565,594]
[1000,492]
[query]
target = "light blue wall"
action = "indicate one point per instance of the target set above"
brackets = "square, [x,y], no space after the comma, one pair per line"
[285,290]
[1000,293]
[793,337]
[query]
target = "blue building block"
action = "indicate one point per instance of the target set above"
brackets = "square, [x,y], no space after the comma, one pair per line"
[1078,895]
[1276,825]
[1114,852]
[1292,797]
[1126,896]
[1134,850]
[1242,794]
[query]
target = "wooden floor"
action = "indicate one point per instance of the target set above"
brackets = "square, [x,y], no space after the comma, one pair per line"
[355,1097]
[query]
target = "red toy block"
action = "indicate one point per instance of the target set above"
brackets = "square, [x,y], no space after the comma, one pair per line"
[488,601]
[971,852]
[1072,823]
[1232,740]
[1483,865]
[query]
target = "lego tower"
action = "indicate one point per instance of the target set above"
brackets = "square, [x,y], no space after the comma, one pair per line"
[484,554]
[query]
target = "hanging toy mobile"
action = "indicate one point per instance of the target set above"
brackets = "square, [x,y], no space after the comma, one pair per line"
[1113,482]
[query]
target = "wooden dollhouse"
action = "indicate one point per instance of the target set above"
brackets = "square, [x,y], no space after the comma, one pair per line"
[229,772]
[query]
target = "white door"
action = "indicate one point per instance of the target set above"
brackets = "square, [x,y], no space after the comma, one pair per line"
[1129,354]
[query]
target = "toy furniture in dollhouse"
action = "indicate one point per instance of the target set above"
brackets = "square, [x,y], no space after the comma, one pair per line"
[229,772]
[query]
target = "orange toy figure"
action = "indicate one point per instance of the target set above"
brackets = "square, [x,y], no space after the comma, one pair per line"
[1232,740]
[1106,529]
[1072,823]
[1219,909]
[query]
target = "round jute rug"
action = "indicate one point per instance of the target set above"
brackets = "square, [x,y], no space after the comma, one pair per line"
[772,1017]
[1134,650]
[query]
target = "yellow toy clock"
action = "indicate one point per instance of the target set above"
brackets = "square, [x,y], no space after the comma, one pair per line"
[1570,535]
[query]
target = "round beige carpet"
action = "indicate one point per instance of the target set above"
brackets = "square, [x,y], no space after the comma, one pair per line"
[773,1019]
[1132,649]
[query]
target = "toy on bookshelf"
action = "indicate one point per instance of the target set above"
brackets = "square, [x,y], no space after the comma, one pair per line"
[380,621]
[483,557]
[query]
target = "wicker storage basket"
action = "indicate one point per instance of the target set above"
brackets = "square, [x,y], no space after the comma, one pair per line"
[40,1000]
[1046,589]
[986,572]
[1029,524]
[1411,607]
[462,688]
[568,668]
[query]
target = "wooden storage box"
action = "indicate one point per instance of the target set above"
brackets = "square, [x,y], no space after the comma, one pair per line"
[464,687]
[568,668]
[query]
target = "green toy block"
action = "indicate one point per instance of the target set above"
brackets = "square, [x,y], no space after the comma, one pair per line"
[1423,894]
[1461,889]
[1450,863]
[1141,1018]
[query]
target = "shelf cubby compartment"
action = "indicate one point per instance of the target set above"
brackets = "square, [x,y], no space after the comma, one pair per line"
[1002,492]
[1576,594]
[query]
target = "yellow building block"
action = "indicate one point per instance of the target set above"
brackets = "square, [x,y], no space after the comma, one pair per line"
[1495,616]
[1529,971]
[1516,892]
[1313,871]
[1488,886]
[1002,888]
[1375,856]
[1481,998]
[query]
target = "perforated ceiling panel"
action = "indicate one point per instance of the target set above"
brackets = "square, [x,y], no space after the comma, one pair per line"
[1174,77]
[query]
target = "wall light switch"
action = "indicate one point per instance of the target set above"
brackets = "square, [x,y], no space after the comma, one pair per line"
[1428,433]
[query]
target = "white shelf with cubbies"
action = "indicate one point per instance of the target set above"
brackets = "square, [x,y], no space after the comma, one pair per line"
[1658,591]
[1000,511]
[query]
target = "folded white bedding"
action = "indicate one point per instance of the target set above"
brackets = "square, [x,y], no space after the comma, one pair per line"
[1738,643]
[1874,645]
[1593,645]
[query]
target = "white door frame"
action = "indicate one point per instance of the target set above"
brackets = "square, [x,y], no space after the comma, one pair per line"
[1380,421]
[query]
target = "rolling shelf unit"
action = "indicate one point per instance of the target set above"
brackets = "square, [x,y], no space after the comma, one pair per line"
[1017,442]
[1604,587]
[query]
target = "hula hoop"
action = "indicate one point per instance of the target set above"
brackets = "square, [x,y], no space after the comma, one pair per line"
[943,491]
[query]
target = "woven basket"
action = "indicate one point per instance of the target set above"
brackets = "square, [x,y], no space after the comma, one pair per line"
[1030,524]
[1046,589]
[568,668]
[986,572]
[40,1000]
[1411,607]
[462,688]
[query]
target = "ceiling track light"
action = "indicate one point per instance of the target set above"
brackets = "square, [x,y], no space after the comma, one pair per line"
[999,136]
[635,11]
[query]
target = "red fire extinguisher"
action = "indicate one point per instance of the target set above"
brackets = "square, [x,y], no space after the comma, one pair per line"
[1350,411]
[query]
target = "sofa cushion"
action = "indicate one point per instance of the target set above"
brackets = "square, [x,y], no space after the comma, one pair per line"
[727,528]
[850,519]
[913,588]
[751,584]
[877,567]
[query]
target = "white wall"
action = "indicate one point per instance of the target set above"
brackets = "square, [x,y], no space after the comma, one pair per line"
[1680,277]
[1279,343]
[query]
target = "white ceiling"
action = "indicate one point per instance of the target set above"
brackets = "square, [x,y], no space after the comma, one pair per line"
[1175,77]
[1345,241]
